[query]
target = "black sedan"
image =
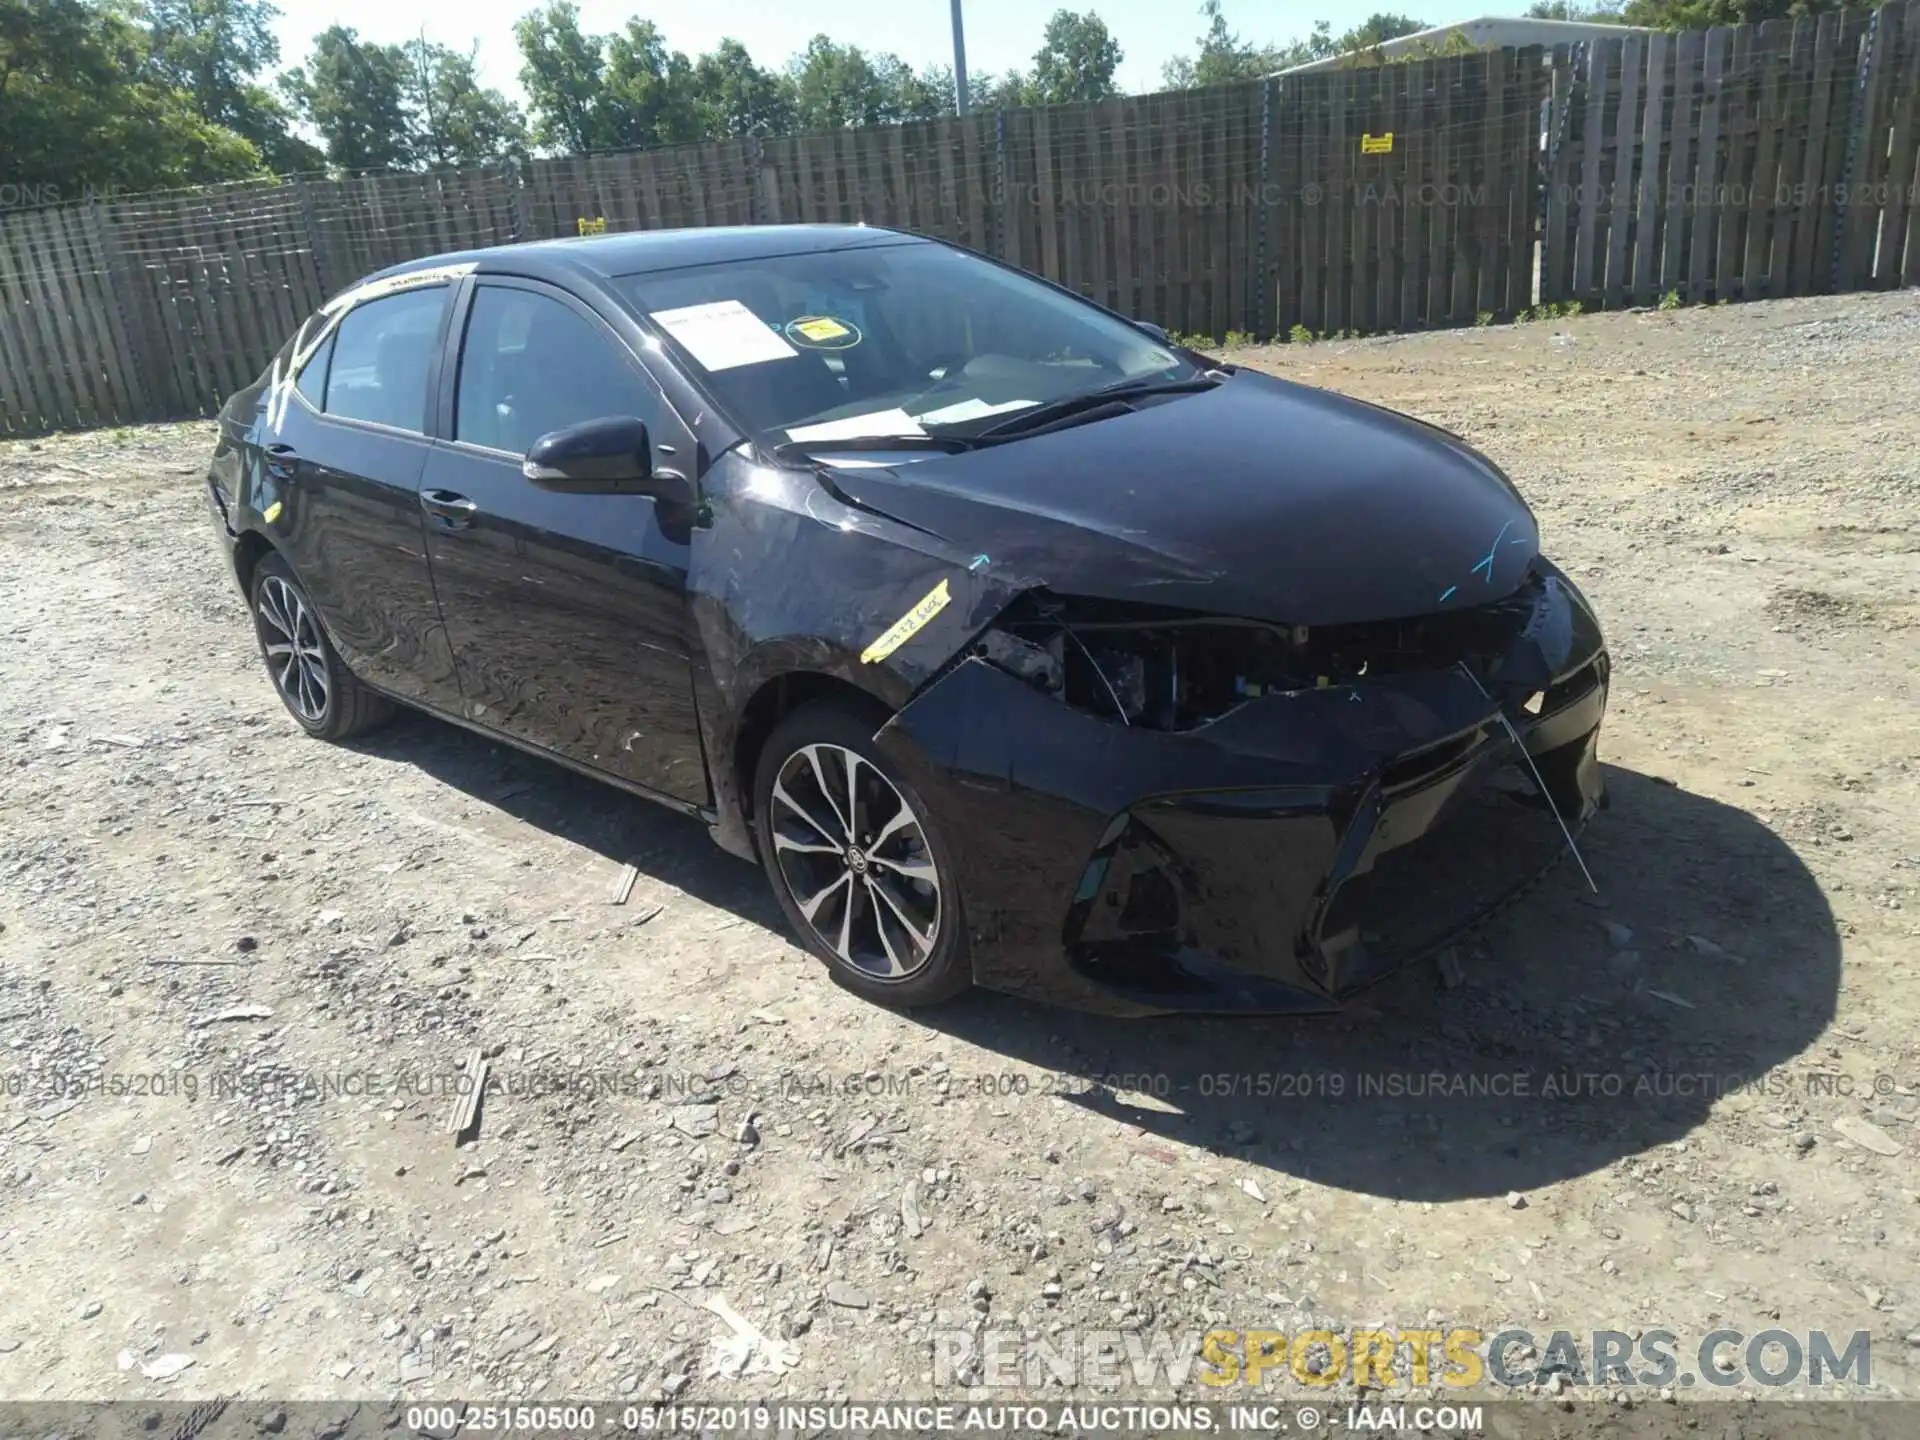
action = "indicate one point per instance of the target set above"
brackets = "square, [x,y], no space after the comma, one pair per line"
[1020,645]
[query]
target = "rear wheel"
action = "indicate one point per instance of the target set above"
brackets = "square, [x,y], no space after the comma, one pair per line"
[317,689]
[857,861]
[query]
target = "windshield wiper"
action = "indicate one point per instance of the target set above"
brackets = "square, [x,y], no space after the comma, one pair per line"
[1070,406]
[806,449]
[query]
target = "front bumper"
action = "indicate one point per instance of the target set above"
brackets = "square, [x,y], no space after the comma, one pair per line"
[1278,859]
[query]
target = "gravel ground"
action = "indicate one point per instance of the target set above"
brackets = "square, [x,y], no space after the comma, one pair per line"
[269,960]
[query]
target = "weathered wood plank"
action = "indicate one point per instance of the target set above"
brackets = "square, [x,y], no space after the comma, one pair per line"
[1706,190]
[1652,180]
[1625,174]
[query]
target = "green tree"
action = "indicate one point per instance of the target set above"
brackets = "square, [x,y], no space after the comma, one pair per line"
[1376,30]
[455,119]
[561,71]
[1076,60]
[1705,14]
[1225,58]
[216,51]
[355,93]
[736,97]
[648,96]
[1602,12]
[81,108]
[834,86]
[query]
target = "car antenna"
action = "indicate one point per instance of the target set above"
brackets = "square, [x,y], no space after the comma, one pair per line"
[1538,778]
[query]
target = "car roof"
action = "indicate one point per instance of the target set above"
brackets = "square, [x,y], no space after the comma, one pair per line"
[639,252]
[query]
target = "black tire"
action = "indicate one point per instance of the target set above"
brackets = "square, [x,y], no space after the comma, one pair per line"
[318,690]
[890,894]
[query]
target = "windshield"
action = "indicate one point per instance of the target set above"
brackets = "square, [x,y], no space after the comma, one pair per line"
[909,340]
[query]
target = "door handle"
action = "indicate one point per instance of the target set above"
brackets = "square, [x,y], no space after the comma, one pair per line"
[281,460]
[453,511]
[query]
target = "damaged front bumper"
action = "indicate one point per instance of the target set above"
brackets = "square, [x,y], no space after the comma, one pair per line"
[1279,858]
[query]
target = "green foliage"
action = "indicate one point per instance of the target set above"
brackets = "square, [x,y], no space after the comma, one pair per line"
[88,102]
[1076,60]
[1705,14]
[1237,340]
[1224,57]
[1300,335]
[354,93]
[1670,301]
[1602,12]
[455,119]
[1483,319]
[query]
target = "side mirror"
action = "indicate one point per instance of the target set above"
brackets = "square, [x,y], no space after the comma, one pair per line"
[608,456]
[1158,332]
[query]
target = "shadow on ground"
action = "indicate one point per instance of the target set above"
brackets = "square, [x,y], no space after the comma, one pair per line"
[1557,1054]
[669,846]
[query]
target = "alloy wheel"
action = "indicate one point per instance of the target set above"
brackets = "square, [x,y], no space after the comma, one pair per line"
[854,856]
[296,659]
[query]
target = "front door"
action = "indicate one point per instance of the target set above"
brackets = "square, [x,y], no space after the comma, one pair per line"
[568,613]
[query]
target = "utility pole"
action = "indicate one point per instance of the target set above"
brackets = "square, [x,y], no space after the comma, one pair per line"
[959,61]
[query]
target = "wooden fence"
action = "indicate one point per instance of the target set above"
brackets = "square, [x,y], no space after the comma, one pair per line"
[1735,163]
[1739,163]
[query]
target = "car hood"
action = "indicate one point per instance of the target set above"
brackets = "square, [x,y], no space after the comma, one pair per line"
[1258,498]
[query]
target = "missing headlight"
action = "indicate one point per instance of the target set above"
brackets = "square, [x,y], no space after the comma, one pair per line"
[1165,670]
[1173,670]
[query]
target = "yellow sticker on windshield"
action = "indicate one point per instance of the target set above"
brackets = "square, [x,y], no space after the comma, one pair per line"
[908,625]
[823,332]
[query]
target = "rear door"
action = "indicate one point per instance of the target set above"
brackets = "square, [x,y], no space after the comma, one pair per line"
[345,459]
[567,613]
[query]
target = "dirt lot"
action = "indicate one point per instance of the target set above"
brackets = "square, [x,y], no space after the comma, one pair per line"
[277,1198]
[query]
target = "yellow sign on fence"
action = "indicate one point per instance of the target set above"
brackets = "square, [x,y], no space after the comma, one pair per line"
[593,227]
[1377,144]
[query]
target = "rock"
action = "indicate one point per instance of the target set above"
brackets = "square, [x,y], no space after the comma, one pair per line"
[1516,1201]
[165,1367]
[1051,1291]
[342,1369]
[232,1012]
[1447,962]
[1250,1186]
[1702,946]
[1804,1141]
[695,1121]
[142,1145]
[1619,936]
[1683,1210]
[910,1213]
[414,1368]
[88,1310]
[1867,1135]
[850,1297]
[8,1344]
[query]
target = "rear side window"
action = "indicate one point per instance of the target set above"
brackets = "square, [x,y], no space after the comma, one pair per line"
[312,382]
[381,354]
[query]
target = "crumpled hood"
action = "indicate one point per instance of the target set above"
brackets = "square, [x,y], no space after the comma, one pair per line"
[1258,498]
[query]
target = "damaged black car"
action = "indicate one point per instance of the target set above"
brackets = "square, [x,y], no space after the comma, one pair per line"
[1020,645]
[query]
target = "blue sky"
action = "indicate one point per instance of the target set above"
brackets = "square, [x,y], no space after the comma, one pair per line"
[1000,33]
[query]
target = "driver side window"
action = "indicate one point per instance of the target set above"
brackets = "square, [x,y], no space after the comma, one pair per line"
[530,364]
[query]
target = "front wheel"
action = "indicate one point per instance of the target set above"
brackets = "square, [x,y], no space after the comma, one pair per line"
[857,860]
[315,686]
